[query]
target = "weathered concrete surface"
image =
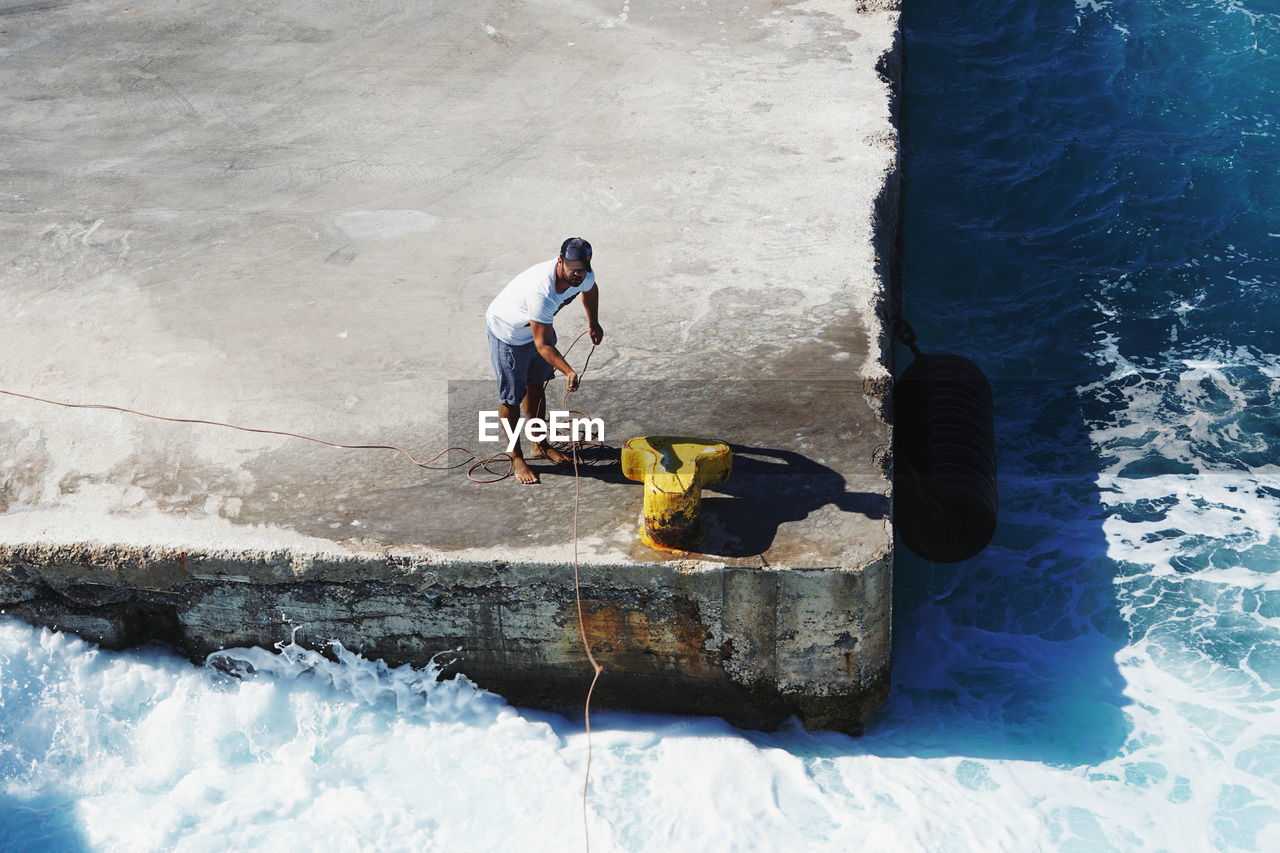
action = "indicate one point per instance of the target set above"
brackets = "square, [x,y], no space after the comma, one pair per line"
[293,215]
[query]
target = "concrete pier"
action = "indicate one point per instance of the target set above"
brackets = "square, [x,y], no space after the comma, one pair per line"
[292,215]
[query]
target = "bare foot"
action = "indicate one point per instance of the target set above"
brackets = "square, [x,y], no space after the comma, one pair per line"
[549,453]
[522,470]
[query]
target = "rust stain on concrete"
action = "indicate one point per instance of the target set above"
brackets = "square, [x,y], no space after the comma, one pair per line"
[630,638]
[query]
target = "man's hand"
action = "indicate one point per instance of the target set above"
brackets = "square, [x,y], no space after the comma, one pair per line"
[571,379]
[597,333]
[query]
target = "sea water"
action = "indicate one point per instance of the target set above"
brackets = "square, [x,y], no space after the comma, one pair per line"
[1092,195]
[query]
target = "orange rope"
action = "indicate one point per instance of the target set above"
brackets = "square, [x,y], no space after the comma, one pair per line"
[582,624]
[477,461]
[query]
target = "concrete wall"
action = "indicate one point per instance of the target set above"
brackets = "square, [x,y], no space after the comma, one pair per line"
[752,645]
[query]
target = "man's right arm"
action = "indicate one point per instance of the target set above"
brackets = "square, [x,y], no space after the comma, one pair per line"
[542,341]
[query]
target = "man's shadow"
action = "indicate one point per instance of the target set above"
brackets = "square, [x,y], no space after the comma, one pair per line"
[768,488]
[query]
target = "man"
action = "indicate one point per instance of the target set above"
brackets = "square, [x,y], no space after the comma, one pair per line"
[522,341]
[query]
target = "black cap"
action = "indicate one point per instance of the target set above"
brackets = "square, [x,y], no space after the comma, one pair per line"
[576,249]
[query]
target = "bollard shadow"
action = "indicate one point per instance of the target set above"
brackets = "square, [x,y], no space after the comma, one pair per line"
[770,487]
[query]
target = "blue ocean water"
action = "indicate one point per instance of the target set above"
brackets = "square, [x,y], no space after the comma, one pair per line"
[1091,216]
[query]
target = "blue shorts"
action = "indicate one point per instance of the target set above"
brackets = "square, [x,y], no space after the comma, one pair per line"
[516,365]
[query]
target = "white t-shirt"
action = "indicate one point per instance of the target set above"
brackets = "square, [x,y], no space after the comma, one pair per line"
[529,296]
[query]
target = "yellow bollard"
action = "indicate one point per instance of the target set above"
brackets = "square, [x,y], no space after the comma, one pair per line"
[673,471]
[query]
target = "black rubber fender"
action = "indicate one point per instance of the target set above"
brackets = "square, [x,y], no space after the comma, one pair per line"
[945,497]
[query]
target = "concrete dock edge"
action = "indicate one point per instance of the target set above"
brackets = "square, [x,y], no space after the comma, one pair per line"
[747,163]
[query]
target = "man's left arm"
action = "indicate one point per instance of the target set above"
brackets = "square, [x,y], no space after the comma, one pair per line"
[591,304]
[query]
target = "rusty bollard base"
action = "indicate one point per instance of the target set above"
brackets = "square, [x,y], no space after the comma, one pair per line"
[674,470]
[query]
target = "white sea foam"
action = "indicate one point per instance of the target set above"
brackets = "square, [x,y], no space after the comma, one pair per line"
[141,751]
[152,753]
[1193,508]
